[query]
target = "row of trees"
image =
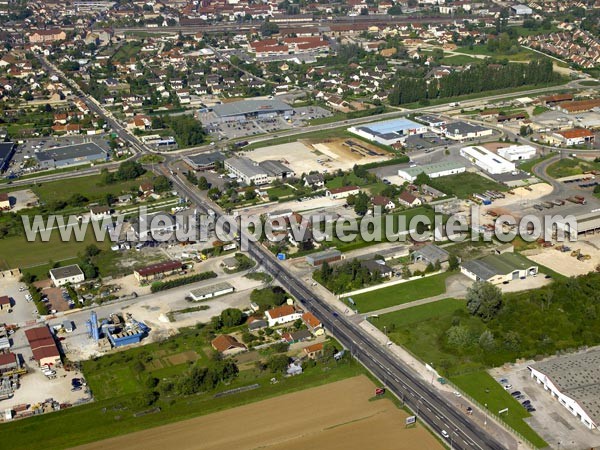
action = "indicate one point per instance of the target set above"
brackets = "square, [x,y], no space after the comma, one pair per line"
[479,78]
[345,277]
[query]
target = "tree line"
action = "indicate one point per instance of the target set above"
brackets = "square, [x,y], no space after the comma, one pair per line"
[479,78]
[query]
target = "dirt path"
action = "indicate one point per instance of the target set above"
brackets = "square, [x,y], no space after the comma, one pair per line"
[333,416]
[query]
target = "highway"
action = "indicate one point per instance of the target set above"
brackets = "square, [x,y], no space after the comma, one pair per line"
[429,406]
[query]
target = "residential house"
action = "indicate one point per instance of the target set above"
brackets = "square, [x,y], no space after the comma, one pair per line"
[227,345]
[314,351]
[282,314]
[407,199]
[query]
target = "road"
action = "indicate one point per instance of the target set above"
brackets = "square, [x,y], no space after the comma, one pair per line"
[428,404]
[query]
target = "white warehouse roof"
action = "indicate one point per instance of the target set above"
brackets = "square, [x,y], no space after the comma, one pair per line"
[487,160]
[517,152]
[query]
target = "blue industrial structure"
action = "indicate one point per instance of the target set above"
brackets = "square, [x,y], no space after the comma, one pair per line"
[117,331]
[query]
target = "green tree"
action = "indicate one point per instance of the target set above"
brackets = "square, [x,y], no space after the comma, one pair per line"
[161,184]
[203,183]
[484,300]
[232,317]
[361,203]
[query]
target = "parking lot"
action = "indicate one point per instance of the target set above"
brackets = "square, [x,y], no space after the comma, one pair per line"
[26,150]
[552,421]
[236,129]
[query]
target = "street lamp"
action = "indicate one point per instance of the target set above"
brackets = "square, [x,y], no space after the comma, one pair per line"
[486,413]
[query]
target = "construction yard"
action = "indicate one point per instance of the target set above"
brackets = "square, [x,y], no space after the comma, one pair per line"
[566,262]
[321,155]
[350,421]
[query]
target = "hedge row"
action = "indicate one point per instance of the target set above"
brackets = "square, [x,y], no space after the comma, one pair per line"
[163,285]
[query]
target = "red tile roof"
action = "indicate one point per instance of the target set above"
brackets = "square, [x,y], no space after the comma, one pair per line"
[7,358]
[281,311]
[154,269]
[224,342]
[310,320]
[576,133]
[5,300]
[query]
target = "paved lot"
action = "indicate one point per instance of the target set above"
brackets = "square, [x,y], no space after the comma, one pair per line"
[28,149]
[22,310]
[552,421]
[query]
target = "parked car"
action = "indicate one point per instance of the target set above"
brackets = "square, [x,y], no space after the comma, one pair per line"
[514,394]
[445,434]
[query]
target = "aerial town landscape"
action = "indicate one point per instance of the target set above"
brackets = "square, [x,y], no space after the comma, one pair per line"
[357,224]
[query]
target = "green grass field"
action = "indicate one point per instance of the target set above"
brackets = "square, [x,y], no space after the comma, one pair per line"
[527,166]
[571,166]
[382,224]
[486,390]
[417,329]
[16,251]
[465,184]
[401,293]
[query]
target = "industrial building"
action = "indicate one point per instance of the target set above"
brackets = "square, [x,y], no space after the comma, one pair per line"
[459,131]
[497,269]
[316,259]
[431,254]
[487,160]
[158,270]
[342,192]
[588,223]
[574,380]
[8,362]
[152,225]
[124,331]
[71,155]
[575,136]
[214,290]
[68,274]
[44,348]
[388,132]
[7,151]
[261,173]
[435,170]
[251,109]
[517,152]
[204,161]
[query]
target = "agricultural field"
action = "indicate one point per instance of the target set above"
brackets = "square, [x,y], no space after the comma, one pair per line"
[121,382]
[401,293]
[350,421]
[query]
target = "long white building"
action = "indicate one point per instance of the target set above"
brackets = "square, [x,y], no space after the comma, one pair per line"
[574,380]
[388,132]
[487,160]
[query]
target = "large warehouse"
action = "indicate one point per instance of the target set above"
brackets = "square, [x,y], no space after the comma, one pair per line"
[497,269]
[574,380]
[517,152]
[487,160]
[204,161]
[434,170]
[251,109]
[214,290]
[388,132]
[588,223]
[460,131]
[71,155]
[44,348]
